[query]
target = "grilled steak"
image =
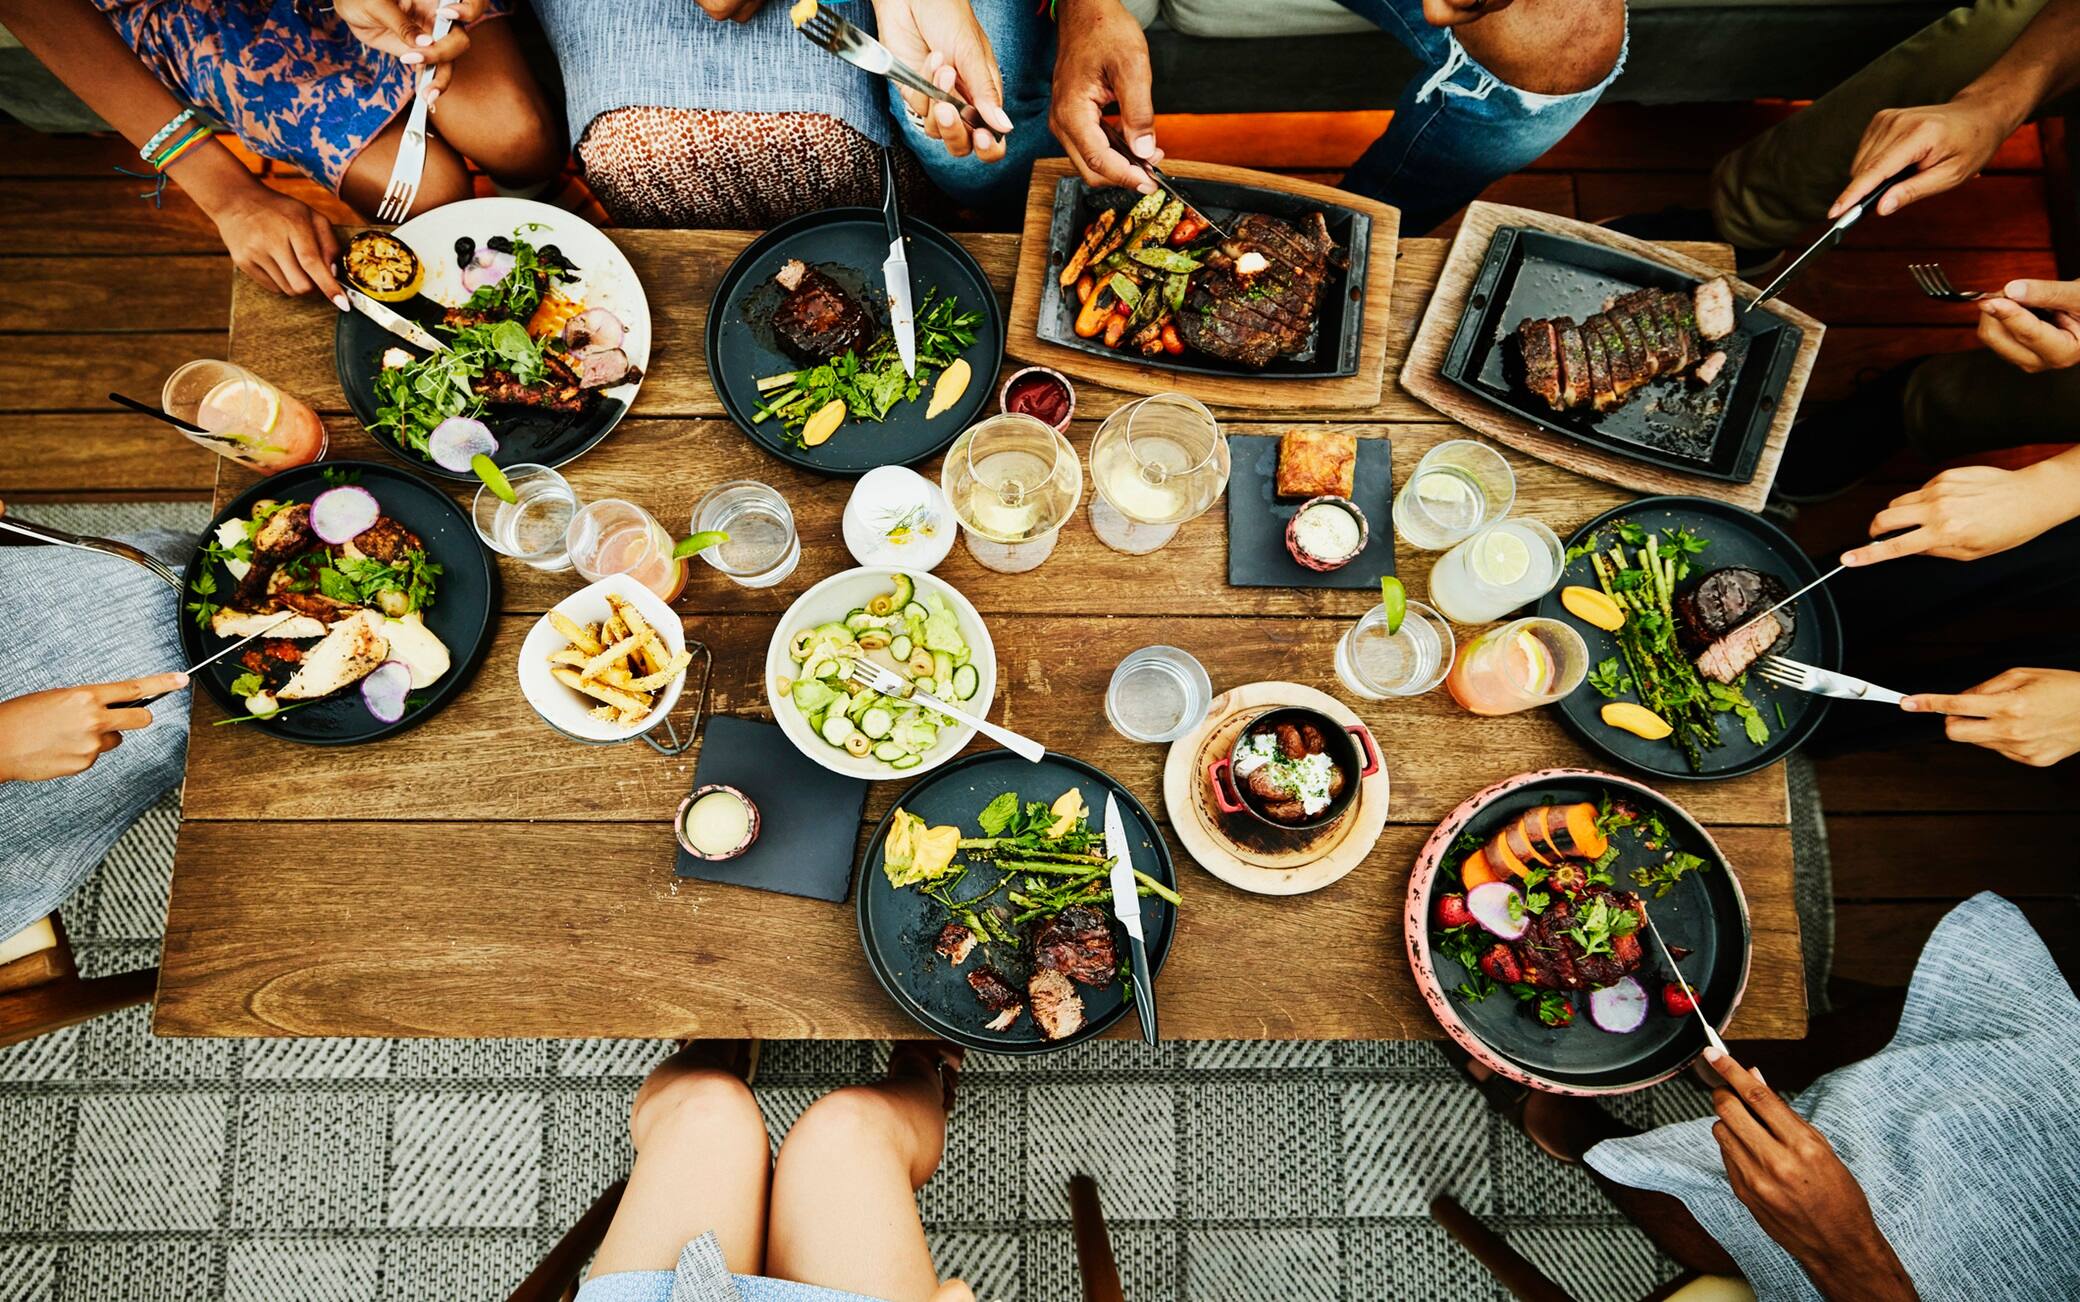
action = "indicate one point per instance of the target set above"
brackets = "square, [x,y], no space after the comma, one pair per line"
[1638,337]
[997,995]
[1254,319]
[818,320]
[1076,942]
[1057,1008]
[1712,611]
[955,943]
[1549,957]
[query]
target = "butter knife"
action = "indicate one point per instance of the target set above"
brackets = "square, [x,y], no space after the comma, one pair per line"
[403,327]
[1126,906]
[895,273]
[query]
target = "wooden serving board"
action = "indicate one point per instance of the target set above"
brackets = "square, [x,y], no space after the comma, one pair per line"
[1361,390]
[1422,373]
[1304,862]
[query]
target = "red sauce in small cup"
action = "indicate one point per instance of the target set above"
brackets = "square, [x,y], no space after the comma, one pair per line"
[1040,396]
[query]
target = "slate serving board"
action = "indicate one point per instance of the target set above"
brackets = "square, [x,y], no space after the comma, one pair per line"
[808,816]
[1257,555]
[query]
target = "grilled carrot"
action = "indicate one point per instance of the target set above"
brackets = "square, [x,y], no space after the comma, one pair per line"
[1086,285]
[1091,239]
[1172,343]
[1116,325]
[1091,318]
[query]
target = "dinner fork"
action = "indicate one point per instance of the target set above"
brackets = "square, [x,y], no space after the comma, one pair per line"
[889,683]
[403,190]
[862,51]
[1823,682]
[55,537]
[1934,283]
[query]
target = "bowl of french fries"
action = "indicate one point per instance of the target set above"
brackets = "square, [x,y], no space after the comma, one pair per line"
[607,664]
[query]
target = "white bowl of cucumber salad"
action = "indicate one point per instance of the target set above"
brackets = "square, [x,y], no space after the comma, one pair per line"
[907,622]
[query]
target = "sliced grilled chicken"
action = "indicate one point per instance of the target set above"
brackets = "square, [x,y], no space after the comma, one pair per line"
[345,656]
[239,623]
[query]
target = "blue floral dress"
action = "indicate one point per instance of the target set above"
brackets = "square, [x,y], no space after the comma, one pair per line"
[285,75]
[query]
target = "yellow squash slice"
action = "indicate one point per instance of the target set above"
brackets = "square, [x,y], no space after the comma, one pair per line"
[1636,719]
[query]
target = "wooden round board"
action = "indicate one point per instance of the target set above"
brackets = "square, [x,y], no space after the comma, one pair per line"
[1247,854]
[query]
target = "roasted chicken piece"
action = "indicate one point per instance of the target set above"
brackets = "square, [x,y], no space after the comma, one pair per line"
[1057,1008]
[955,943]
[343,657]
[997,995]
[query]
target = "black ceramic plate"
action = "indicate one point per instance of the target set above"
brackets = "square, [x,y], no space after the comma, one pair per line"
[849,245]
[1257,518]
[1704,913]
[1737,537]
[1717,431]
[899,927]
[1332,351]
[465,601]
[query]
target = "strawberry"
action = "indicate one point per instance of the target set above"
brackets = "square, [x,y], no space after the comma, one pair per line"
[1452,911]
[1676,1001]
[1501,965]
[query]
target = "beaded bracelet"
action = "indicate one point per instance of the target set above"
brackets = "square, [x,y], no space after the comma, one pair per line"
[164,134]
[182,146]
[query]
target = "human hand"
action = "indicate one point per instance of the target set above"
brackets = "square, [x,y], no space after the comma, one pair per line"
[60,732]
[735,11]
[1802,1195]
[280,242]
[2008,327]
[404,28]
[1103,60]
[1455,13]
[943,40]
[1948,142]
[1965,513]
[2032,716]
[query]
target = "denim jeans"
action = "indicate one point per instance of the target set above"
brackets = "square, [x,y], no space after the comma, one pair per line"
[1456,128]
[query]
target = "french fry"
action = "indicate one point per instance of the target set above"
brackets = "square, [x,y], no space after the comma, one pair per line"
[580,636]
[605,713]
[599,691]
[597,665]
[673,668]
[640,630]
[574,656]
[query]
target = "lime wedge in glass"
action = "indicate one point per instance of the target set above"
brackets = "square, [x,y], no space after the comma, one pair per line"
[494,478]
[1394,600]
[698,543]
[1501,558]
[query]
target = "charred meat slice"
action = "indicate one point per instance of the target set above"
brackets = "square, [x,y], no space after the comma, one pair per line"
[1550,954]
[1628,372]
[1574,366]
[1729,657]
[1057,1008]
[1712,617]
[1715,314]
[557,390]
[818,320]
[386,540]
[955,942]
[1639,336]
[1078,943]
[1540,342]
[1255,319]
[282,534]
[997,995]
[1603,395]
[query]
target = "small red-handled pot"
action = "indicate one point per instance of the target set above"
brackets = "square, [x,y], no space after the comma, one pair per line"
[1350,748]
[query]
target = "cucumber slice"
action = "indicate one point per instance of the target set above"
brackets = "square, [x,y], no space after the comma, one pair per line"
[905,589]
[836,729]
[906,762]
[915,611]
[860,705]
[942,666]
[966,681]
[899,646]
[821,666]
[876,722]
[888,752]
[859,621]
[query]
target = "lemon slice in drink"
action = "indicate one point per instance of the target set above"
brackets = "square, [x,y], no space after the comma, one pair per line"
[1501,558]
[239,406]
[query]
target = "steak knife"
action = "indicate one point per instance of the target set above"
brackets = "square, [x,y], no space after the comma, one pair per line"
[1828,239]
[895,273]
[403,327]
[1126,906]
[1711,1033]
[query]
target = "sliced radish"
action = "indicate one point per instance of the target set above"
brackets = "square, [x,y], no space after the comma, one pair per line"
[1498,907]
[385,688]
[593,329]
[1620,1006]
[488,268]
[342,514]
[458,438]
[602,369]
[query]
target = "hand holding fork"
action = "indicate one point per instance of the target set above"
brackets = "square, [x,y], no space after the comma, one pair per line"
[382,25]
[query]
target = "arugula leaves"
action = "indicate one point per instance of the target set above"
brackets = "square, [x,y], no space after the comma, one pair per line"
[871,386]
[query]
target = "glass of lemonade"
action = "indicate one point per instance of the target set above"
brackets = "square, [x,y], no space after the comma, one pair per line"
[1379,665]
[1519,666]
[1013,481]
[611,536]
[1459,488]
[1158,693]
[1156,463]
[533,528]
[762,547]
[1497,570]
[243,416]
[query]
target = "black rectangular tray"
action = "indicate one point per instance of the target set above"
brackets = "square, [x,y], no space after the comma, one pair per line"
[1718,431]
[1331,351]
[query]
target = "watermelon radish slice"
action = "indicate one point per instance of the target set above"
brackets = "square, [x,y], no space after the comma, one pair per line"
[342,514]
[385,688]
[487,268]
[1499,908]
[1620,1007]
[457,439]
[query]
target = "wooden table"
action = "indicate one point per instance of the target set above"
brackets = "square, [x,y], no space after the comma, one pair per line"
[481,876]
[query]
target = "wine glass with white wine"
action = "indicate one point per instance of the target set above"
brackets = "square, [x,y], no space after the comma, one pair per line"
[1156,463]
[1013,481]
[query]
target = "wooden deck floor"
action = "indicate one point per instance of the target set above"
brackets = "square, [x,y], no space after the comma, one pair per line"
[98,292]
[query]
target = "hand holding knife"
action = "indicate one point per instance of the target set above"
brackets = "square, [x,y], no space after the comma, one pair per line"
[1126,906]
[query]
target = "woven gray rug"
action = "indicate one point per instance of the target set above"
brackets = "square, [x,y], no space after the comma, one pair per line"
[353,1170]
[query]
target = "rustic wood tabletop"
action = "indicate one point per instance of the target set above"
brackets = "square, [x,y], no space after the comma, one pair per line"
[481,876]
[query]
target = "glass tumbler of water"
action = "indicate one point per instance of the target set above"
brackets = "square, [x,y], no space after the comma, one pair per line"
[762,547]
[1414,658]
[1458,489]
[1156,463]
[531,528]
[1158,693]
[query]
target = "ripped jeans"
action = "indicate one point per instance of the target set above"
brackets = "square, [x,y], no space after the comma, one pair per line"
[1456,128]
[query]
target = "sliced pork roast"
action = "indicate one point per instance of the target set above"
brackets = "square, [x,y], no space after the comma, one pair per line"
[997,995]
[1637,338]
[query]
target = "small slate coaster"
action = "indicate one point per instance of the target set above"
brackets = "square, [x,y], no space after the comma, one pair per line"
[808,816]
[1257,555]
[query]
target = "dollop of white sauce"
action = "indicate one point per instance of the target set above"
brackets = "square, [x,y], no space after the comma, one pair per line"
[1327,531]
[230,534]
[1305,779]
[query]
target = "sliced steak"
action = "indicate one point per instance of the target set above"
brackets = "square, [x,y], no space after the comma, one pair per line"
[1540,343]
[1078,943]
[1638,337]
[1602,394]
[1254,320]
[1574,364]
[1728,658]
[818,320]
[1715,315]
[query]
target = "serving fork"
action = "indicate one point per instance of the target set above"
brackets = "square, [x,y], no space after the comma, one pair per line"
[405,173]
[862,51]
[889,683]
[1934,283]
[1823,682]
[55,537]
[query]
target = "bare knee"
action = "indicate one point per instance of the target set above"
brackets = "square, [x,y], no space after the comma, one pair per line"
[1549,47]
[858,1123]
[513,135]
[706,1109]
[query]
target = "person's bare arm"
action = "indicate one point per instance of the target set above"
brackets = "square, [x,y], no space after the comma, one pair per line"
[1951,142]
[273,238]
